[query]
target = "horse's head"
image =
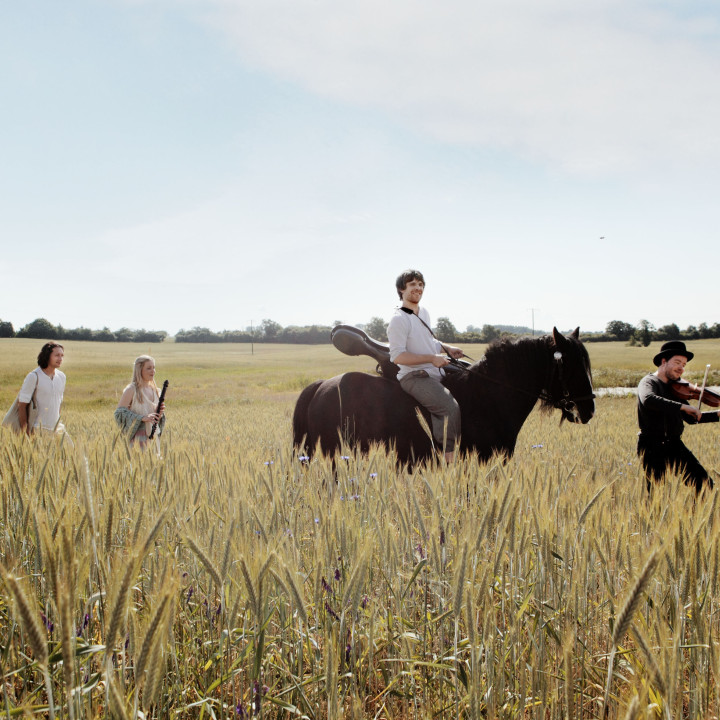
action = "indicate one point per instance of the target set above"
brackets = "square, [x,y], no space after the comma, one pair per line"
[570,387]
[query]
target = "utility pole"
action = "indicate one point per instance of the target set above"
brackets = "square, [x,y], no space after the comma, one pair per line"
[532,310]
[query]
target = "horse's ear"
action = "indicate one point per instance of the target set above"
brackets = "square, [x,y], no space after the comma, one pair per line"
[575,334]
[558,337]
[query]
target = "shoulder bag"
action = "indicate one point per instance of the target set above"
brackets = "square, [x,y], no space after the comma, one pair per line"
[12,418]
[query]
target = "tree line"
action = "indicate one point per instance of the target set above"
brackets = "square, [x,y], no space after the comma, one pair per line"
[269,331]
[43,329]
[645,332]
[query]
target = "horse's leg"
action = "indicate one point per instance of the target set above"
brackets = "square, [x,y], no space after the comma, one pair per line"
[301,423]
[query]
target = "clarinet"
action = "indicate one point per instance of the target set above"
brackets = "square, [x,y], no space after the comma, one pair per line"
[160,402]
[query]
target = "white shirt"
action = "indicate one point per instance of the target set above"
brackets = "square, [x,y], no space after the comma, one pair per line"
[406,333]
[49,396]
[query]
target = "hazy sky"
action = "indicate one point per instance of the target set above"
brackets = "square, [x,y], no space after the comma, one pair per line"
[172,163]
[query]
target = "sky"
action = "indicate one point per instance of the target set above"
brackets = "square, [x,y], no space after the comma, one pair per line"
[166,164]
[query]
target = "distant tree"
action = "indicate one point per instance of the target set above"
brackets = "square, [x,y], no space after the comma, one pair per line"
[196,335]
[644,332]
[81,333]
[270,330]
[489,333]
[151,336]
[6,329]
[714,330]
[620,330]
[704,330]
[104,335]
[236,336]
[41,329]
[377,329]
[691,333]
[125,335]
[668,332]
[445,330]
[470,336]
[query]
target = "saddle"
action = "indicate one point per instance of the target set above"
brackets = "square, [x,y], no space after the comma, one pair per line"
[354,341]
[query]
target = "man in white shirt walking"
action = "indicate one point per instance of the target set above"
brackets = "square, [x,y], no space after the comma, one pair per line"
[47,383]
[421,358]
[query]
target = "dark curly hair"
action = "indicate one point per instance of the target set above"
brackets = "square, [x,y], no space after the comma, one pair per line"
[404,278]
[46,352]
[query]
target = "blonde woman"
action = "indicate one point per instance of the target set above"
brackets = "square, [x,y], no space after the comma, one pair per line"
[137,410]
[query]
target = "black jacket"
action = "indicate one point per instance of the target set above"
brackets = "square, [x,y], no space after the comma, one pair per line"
[659,414]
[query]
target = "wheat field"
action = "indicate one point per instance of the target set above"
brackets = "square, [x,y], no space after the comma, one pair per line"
[228,579]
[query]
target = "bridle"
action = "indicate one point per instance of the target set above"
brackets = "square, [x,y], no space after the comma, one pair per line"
[566,403]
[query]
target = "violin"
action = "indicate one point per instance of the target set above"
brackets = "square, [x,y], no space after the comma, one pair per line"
[684,390]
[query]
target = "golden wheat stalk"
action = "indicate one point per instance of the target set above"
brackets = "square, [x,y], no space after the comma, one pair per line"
[119,607]
[625,617]
[151,637]
[207,563]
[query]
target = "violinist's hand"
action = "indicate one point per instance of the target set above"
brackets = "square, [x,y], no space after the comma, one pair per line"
[440,361]
[692,411]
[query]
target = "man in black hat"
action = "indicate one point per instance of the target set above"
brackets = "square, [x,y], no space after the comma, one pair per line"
[661,418]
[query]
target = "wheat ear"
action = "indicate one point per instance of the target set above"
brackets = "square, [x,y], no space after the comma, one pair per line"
[205,560]
[150,637]
[28,619]
[119,607]
[625,616]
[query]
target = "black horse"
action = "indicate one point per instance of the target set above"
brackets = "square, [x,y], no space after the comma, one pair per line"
[495,396]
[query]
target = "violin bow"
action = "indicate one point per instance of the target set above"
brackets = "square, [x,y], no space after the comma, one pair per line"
[702,390]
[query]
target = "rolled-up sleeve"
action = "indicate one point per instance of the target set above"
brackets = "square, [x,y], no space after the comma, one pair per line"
[397,333]
[28,387]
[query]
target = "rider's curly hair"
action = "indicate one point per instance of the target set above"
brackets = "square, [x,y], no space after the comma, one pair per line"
[404,278]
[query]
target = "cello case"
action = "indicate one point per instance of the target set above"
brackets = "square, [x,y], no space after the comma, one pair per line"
[354,341]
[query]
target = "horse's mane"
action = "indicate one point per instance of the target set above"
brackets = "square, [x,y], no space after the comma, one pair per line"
[508,361]
[517,351]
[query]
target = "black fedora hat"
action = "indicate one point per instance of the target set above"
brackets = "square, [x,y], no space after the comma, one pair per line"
[670,348]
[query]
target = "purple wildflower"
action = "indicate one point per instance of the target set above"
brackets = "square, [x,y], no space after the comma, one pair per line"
[47,623]
[331,611]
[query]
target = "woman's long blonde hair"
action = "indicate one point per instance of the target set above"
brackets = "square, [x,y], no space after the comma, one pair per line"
[137,380]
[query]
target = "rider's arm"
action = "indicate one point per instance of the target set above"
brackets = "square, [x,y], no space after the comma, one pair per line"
[408,358]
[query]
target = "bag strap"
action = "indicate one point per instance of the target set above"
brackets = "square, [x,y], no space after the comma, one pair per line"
[429,329]
[410,312]
[37,382]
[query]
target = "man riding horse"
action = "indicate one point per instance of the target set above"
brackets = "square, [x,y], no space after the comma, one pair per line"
[421,358]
